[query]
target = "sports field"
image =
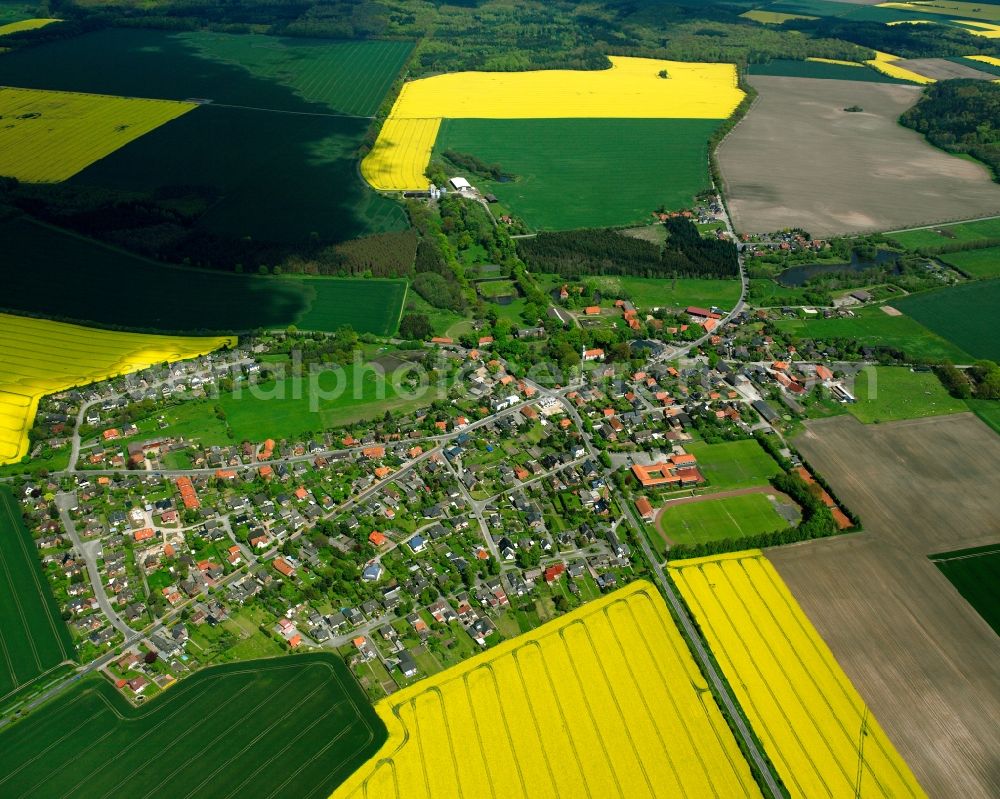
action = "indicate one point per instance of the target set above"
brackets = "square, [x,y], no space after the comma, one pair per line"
[604,701]
[576,173]
[983,263]
[899,393]
[965,315]
[943,235]
[47,137]
[816,729]
[39,357]
[225,302]
[34,640]
[872,327]
[631,89]
[716,519]
[733,464]
[975,573]
[289,727]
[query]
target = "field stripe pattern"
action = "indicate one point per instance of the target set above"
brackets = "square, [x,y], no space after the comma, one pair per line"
[33,638]
[288,727]
[47,137]
[605,701]
[813,724]
[39,357]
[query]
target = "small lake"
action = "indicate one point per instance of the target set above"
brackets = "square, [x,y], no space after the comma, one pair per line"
[798,275]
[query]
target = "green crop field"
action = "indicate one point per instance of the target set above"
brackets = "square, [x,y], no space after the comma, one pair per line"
[734,464]
[980,65]
[987,410]
[280,177]
[306,75]
[948,234]
[85,281]
[34,640]
[872,327]
[983,263]
[975,573]
[965,315]
[646,292]
[367,305]
[816,69]
[726,517]
[289,727]
[898,393]
[576,173]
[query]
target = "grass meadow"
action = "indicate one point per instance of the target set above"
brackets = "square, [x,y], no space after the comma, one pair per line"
[975,573]
[901,394]
[734,464]
[290,726]
[942,235]
[983,263]
[725,517]
[872,327]
[646,292]
[576,173]
[987,410]
[34,641]
[965,315]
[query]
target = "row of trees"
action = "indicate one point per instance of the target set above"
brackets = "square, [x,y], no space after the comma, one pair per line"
[606,252]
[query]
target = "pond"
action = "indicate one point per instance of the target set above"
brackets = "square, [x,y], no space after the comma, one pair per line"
[798,275]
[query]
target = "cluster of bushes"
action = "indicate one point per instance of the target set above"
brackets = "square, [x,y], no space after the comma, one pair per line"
[578,253]
[477,166]
[980,381]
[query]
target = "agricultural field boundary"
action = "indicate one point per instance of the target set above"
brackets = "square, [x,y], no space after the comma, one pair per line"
[563,728]
[305,712]
[814,725]
[39,357]
[31,617]
[49,136]
[631,89]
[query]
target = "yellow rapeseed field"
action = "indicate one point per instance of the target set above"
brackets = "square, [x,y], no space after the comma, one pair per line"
[986,59]
[987,30]
[47,136]
[631,89]
[401,154]
[39,357]
[885,63]
[772,17]
[604,702]
[838,61]
[814,726]
[26,25]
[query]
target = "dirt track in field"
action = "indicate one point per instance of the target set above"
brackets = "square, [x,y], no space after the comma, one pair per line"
[799,159]
[923,659]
